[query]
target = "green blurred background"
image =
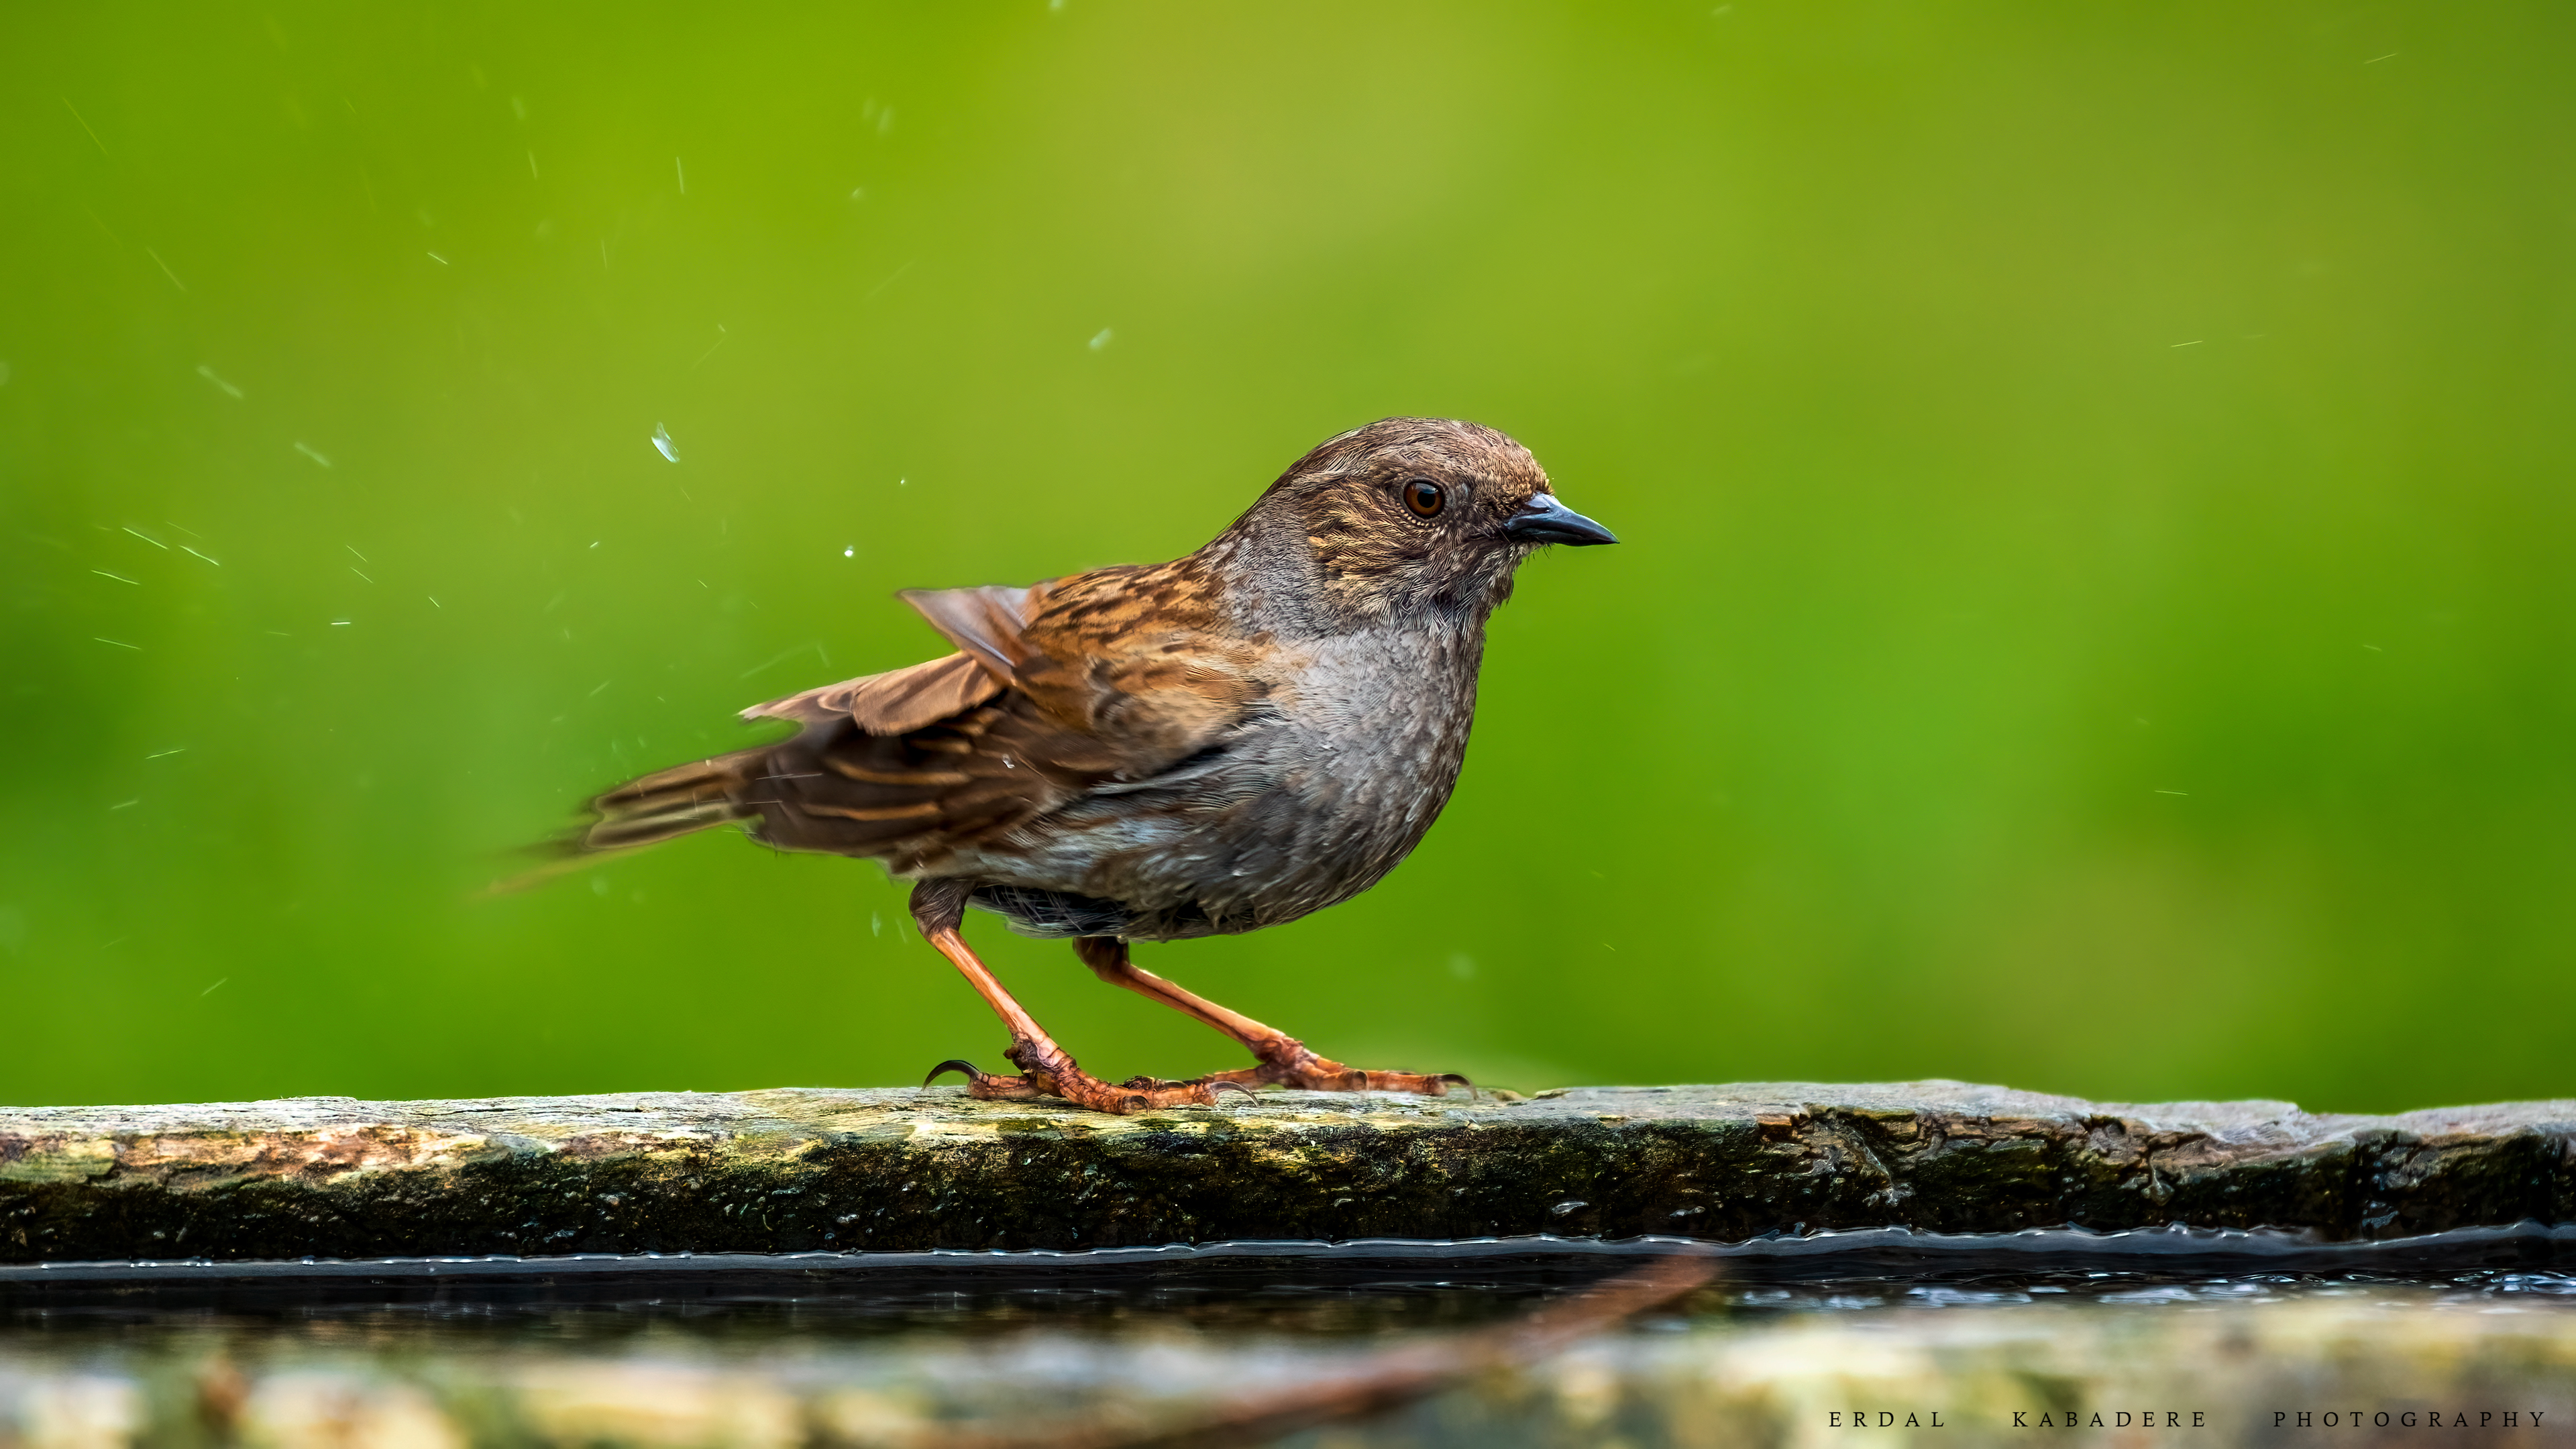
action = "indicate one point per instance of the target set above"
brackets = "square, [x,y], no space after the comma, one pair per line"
[2095,612]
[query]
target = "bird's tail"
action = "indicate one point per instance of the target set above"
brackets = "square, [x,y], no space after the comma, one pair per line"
[671,803]
[664,805]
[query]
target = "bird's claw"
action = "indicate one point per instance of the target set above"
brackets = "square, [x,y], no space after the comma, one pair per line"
[953,1064]
[1051,1073]
[1213,1084]
[1046,1071]
[1285,1062]
[985,1086]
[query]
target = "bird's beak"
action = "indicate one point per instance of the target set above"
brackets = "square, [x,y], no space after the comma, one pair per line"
[1544,520]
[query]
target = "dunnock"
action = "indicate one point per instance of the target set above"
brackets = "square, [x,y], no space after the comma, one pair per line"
[1154,752]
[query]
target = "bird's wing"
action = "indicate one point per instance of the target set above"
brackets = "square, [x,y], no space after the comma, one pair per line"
[985,626]
[985,622]
[1106,678]
[892,703]
[1139,656]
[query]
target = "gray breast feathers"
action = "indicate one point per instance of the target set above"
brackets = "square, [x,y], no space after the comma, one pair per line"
[1309,801]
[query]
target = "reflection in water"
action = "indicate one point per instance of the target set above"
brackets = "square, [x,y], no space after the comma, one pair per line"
[1291,1298]
[1181,1358]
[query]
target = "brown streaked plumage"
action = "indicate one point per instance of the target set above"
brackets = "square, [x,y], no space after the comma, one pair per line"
[1223,742]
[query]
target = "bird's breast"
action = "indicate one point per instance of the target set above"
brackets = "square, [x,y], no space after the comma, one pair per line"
[1332,786]
[1312,799]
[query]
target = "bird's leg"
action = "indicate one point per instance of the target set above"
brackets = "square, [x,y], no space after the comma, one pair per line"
[1045,1068]
[1285,1061]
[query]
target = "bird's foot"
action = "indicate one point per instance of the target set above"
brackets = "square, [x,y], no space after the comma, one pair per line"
[984,1085]
[1046,1072]
[1285,1062]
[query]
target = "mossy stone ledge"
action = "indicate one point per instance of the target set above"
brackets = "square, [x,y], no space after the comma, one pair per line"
[801,1170]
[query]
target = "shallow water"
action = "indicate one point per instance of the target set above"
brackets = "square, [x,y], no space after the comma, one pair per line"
[745,1316]
[1028,1348]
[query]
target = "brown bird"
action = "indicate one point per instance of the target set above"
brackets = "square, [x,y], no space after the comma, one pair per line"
[1155,752]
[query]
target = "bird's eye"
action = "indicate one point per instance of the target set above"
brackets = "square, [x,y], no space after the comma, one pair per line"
[1423,496]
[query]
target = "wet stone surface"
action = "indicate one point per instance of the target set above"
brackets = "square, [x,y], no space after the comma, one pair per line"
[801,1170]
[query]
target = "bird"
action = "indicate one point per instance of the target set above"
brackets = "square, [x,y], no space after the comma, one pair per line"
[1227,741]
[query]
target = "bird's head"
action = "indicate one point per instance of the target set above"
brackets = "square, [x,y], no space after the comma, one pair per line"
[1410,516]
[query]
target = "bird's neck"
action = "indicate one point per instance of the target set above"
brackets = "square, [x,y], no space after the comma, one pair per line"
[1275,586]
